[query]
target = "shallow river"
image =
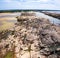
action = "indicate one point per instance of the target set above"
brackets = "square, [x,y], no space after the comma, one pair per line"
[51,19]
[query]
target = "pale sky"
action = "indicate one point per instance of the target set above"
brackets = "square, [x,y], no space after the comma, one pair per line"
[30,4]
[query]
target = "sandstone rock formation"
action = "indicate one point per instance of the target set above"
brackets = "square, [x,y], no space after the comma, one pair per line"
[34,38]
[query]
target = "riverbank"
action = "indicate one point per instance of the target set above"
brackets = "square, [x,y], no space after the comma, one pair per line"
[7,20]
[32,37]
[55,15]
[6,23]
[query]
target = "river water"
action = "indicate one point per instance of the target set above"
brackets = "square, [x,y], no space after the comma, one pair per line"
[58,12]
[51,19]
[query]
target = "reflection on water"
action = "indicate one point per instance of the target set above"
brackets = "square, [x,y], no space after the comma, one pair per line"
[51,19]
[58,12]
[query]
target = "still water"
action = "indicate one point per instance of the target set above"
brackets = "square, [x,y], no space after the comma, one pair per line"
[51,19]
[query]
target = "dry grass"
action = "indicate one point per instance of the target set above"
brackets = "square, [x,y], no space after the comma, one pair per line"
[5,21]
[8,18]
[6,25]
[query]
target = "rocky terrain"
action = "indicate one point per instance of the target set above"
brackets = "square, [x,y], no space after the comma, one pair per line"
[31,37]
[55,15]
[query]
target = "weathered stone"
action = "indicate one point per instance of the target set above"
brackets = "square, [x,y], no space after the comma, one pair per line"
[33,37]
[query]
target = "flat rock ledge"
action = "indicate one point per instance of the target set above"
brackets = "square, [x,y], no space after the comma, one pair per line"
[32,37]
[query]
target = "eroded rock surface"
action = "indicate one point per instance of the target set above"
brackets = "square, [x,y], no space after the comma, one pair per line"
[34,38]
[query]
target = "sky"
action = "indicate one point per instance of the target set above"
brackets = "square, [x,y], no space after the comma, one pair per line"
[30,4]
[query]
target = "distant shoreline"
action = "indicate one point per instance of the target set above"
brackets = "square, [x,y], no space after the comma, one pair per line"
[53,14]
[4,11]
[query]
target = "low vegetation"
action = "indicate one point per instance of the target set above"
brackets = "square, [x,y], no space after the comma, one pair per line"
[9,55]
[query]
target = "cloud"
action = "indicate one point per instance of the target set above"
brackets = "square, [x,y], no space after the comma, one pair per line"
[35,0]
[41,0]
[29,4]
[5,0]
